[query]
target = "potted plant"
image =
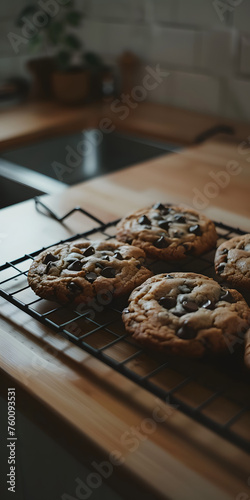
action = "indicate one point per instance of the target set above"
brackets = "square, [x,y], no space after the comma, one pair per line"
[66,71]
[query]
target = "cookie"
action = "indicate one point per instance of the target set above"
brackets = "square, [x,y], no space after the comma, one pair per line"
[232,261]
[77,272]
[168,232]
[186,314]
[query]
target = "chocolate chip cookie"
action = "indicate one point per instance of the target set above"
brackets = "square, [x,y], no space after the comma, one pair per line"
[232,261]
[168,232]
[77,272]
[186,314]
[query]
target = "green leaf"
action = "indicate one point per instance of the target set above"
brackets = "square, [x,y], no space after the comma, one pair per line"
[35,42]
[29,10]
[63,60]
[72,42]
[74,18]
[55,31]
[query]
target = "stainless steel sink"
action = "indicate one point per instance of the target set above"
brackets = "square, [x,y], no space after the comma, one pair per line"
[12,192]
[50,165]
[20,184]
[77,157]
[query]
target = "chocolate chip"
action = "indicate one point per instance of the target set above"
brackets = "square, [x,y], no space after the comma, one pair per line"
[138,266]
[184,289]
[72,257]
[221,267]
[169,276]
[186,332]
[208,305]
[129,241]
[89,251]
[179,218]
[49,266]
[178,313]
[75,266]
[164,224]
[73,287]
[144,220]
[159,206]
[49,258]
[195,230]
[118,256]
[99,265]
[157,216]
[161,243]
[190,305]
[226,295]
[108,272]
[91,277]
[106,257]
[224,251]
[167,302]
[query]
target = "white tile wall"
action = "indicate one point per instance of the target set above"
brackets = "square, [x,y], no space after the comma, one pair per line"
[164,93]
[197,92]
[208,57]
[118,10]
[244,61]
[217,51]
[10,9]
[6,48]
[111,39]
[164,11]
[241,16]
[198,12]
[11,66]
[238,97]
[172,46]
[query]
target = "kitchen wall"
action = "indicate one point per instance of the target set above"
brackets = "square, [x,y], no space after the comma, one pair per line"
[203,44]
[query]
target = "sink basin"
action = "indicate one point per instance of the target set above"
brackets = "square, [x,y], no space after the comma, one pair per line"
[77,157]
[20,184]
[12,192]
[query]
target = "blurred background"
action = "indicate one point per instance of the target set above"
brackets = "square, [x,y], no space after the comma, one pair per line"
[204,44]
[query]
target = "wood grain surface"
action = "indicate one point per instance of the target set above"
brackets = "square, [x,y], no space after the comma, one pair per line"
[32,121]
[180,459]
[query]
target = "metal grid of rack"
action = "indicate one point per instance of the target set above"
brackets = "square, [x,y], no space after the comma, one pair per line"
[216,394]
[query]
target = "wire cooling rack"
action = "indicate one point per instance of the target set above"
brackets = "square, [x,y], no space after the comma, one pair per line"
[214,393]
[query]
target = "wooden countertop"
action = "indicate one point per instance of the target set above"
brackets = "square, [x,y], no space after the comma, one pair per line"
[181,459]
[31,121]
[184,177]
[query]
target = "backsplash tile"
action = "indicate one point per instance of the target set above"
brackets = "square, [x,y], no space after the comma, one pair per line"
[198,12]
[172,46]
[10,45]
[8,8]
[206,50]
[244,61]
[112,9]
[164,92]
[217,51]
[117,10]
[241,15]
[196,92]
[238,104]
[164,11]
[99,37]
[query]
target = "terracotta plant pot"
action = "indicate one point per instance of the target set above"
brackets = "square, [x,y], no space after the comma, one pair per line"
[41,70]
[71,87]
